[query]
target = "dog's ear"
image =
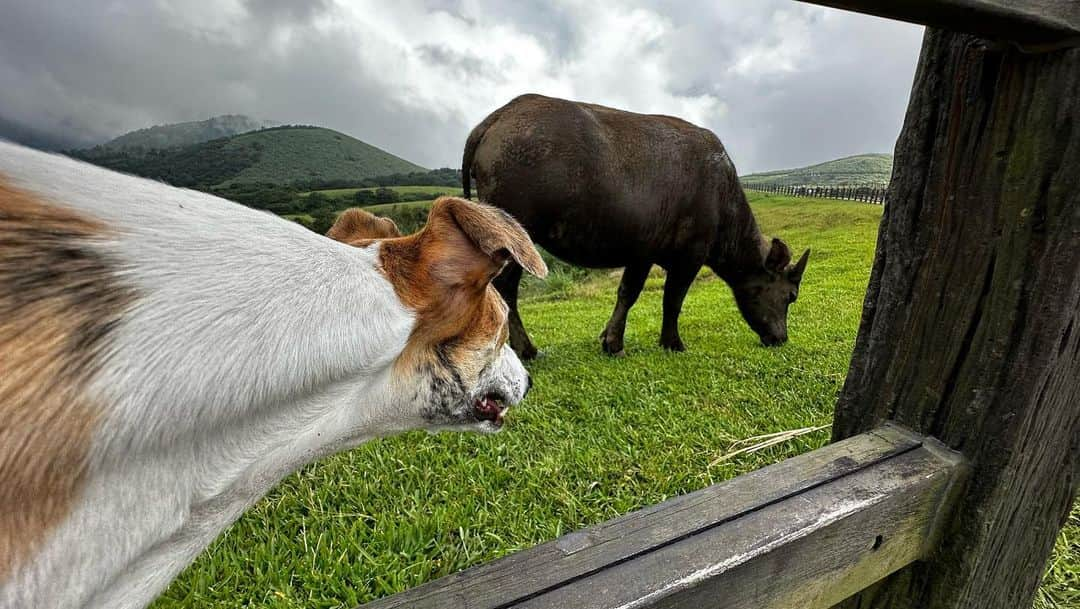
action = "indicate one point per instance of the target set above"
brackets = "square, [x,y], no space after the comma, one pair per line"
[356,226]
[492,231]
[452,260]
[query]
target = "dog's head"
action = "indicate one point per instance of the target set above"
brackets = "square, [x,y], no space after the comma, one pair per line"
[455,370]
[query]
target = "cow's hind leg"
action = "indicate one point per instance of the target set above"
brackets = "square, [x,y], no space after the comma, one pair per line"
[678,282]
[507,284]
[633,279]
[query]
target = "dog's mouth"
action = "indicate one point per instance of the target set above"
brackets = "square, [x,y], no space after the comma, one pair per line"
[492,407]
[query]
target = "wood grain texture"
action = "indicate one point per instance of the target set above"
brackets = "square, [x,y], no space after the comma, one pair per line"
[1036,25]
[804,531]
[971,324]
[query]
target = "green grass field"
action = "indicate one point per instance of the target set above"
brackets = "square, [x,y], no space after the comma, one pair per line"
[598,437]
[348,193]
[389,208]
[305,219]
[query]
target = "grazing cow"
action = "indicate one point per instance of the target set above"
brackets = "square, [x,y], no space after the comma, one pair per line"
[605,188]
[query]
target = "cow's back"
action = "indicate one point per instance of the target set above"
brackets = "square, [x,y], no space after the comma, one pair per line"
[598,186]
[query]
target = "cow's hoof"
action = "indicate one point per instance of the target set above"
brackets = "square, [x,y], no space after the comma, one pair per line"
[613,352]
[613,348]
[673,345]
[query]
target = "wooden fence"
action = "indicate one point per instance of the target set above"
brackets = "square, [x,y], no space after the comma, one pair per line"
[955,455]
[867,194]
[805,533]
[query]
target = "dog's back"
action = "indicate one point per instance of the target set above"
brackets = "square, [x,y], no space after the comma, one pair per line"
[106,285]
[167,356]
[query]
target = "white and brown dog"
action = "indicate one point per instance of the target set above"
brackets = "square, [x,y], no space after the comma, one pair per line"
[167,356]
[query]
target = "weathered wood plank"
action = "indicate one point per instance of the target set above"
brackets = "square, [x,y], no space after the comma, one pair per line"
[888,482]
[1034,24]
[971,323]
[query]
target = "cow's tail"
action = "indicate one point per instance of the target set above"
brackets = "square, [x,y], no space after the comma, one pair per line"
[473,141]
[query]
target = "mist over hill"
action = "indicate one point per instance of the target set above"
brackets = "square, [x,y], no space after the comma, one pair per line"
[185,134]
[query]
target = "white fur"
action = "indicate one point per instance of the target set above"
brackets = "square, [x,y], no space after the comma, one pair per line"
[253,348]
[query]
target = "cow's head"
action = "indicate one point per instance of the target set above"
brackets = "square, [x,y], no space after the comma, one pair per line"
[764,294]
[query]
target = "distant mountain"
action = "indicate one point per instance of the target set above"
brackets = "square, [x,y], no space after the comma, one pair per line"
[186,134]
[37,138]
[289,155]
[859,170]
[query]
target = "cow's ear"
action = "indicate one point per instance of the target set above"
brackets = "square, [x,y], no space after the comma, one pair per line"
[779,256]
[795,273]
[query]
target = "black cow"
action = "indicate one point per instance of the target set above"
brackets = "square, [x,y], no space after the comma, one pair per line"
[605,188]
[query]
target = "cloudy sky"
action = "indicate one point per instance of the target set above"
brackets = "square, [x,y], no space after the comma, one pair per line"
[782,83]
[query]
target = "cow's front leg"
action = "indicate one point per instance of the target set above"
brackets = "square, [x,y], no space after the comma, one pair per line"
[633,279]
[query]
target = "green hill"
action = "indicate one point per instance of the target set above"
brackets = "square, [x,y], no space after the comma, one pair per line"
[859,170]
[186,134]
[290,155]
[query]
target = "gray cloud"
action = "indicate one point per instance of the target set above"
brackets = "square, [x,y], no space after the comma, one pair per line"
[781,83]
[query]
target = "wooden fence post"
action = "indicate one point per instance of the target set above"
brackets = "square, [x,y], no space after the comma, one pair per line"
[971,323]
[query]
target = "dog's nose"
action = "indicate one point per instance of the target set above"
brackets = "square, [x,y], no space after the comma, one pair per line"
[528,385]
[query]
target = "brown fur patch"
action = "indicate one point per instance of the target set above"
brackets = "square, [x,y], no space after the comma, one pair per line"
[444,271]
[356,227]
[59,301]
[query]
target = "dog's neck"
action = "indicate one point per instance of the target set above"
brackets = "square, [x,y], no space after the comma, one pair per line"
[261,362]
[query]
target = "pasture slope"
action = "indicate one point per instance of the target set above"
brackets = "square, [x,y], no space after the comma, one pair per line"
[348,194]
[598,437]
[274,156]
[858,170]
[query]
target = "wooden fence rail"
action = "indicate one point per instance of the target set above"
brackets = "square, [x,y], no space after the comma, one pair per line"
[866,194]
[807,532]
